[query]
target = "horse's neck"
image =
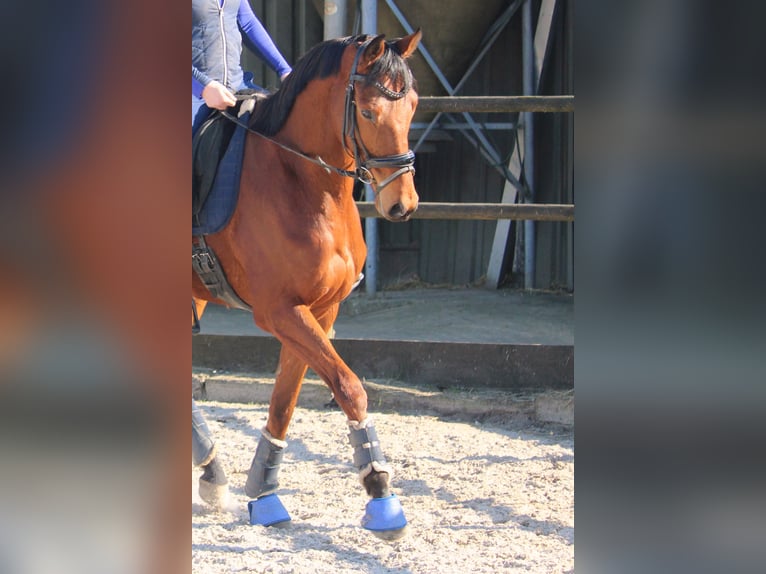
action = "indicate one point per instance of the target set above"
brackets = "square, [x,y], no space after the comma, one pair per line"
[313,126]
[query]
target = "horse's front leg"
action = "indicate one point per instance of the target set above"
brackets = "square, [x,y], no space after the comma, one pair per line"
[306,336]
[262,478]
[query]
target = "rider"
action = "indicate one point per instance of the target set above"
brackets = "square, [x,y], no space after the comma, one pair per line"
[218,29]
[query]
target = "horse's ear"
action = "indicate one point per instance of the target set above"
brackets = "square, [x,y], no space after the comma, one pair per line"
[407,45]
[373,52]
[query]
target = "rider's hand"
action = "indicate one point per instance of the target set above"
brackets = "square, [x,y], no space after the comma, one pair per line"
[218,96]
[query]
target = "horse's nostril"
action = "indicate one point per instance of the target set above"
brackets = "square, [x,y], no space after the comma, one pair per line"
[396,211]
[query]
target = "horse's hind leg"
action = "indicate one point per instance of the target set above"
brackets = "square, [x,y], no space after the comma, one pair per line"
[213,484]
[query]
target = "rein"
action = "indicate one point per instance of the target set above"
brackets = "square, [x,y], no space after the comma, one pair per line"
[361,172]
[317,160]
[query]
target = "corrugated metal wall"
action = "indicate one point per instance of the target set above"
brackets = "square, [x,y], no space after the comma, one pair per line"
[449,169]
[295,26]
[555,161]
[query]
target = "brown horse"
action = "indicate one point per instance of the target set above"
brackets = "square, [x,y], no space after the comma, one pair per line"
[294,248]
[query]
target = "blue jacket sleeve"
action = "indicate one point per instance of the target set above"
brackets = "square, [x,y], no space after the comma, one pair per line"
[256,38]
[199,81]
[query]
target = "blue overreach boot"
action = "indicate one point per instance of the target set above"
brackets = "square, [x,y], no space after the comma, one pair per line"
[268,511]
[262,483]
[385,517]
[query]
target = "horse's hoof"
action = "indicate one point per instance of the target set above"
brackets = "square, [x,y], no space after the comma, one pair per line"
[391,535]
[384,517]
[216,495]
[268,511]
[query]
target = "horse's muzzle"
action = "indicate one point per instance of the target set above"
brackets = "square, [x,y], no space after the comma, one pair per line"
[398,212]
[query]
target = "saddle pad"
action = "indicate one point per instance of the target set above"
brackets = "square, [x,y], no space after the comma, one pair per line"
[208,146]
[222,199]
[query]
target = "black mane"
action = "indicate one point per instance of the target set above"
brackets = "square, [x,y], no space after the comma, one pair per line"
[321,61]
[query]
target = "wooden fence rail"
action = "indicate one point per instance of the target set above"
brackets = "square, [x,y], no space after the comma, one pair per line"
[483,211]
[496,104]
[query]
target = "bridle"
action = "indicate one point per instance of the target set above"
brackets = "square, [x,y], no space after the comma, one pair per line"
[404,161]
[362,167]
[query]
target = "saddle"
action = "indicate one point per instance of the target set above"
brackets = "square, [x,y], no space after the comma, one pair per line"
[210,144]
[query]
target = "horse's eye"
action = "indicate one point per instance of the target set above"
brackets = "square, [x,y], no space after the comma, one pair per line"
[367,114]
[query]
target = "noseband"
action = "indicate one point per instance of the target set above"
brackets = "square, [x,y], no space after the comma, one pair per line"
[403,161]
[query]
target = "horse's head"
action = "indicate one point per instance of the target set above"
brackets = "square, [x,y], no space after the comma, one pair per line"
[380,103]
[361,89]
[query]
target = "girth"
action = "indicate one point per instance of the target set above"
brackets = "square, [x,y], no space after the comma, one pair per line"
[205,264]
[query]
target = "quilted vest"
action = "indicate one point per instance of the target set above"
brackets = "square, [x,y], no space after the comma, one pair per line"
[217,41]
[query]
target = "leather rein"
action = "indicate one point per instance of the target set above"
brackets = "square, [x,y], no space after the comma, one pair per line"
[404,161]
